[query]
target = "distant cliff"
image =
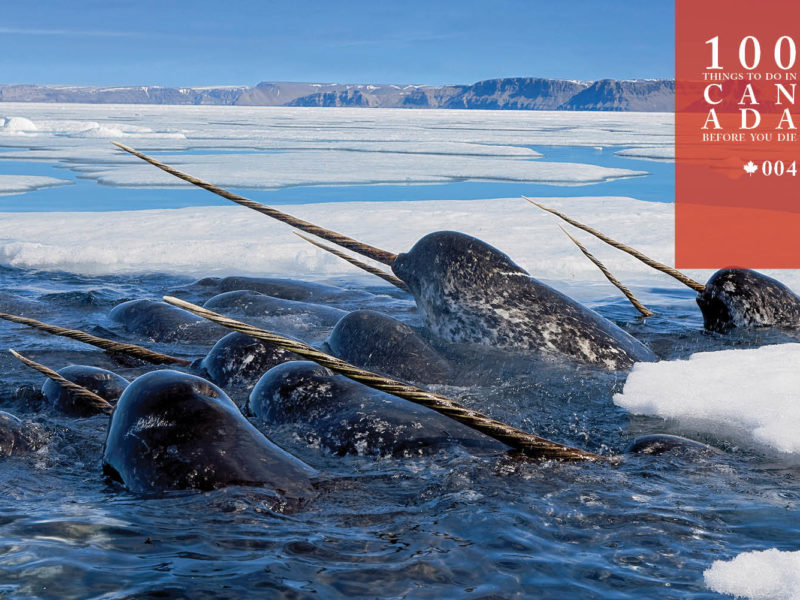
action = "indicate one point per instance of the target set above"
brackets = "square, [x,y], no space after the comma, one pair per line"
[517,93]
[638,95]
[119,95]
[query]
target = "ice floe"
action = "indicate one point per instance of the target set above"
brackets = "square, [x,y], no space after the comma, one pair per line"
[96,130]
[19,184]
[16,126]
[649,152]
[317,146]
[760,575]
[232,239]
[282,169]
[748,394]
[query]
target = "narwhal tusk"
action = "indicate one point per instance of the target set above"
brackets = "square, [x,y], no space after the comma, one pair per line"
[684,279]
[372,252]
[108,345]
[527,443]
[354,261]
[628,294]
[76,390]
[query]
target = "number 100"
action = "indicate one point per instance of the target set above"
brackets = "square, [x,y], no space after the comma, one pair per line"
[750,53]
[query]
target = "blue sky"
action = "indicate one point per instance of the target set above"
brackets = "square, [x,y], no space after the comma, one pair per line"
[218,42]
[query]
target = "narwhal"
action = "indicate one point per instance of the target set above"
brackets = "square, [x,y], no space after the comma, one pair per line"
[153,421]
[517,439]
[235,359]
[69,391]
[366,338]
[301,391]
[345,417]
[732,298]
[171,430]
[469,292]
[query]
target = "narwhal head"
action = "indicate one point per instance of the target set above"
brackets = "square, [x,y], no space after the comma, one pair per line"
[744,298]
[446,270]
[732,298]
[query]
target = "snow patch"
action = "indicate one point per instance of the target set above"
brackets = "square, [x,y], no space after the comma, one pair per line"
[749,393]
[117,131]
[57,130]
[16,126]
[235,240]
[765,575]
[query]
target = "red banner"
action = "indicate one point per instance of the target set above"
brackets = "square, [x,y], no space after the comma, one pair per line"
[736,133]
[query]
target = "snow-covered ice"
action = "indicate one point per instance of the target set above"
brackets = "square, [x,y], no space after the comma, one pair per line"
[267,147]
[16,125]
[318,146]
[750,395]
[331,167]
[102,153]
[103,131]
[19,184]
[250,127]
[233,239]
[760,575]
[649,152]
[74,128]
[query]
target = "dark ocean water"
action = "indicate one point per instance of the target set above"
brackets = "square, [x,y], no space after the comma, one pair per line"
[449,525]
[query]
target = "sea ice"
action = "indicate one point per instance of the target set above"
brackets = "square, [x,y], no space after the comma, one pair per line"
[232,239]
[19,184]
[96,130]
[649,152]
[268,146]
[765,575]
[16,125]
[748,394]
[317,146]
[282,169]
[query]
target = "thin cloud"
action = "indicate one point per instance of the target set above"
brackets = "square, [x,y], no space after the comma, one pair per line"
[69,32]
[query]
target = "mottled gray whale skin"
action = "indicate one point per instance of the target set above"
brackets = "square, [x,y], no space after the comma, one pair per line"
[288,289]
[469,292]
[163,322]
[175,431]
[742,298]
[346,417]
[377,342]
[238,359]
[248,303]
[106,384]
[17,436]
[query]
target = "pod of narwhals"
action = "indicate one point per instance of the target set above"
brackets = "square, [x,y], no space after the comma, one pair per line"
[178,429]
